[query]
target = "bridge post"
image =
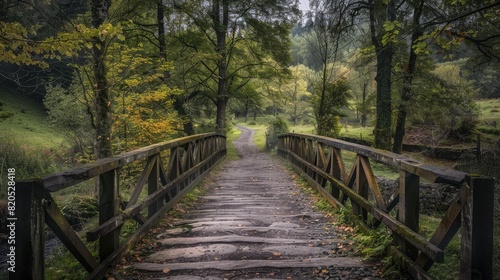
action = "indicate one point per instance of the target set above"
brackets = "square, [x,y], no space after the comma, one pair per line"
[29,238]
[476,261]
[409,208]
[109,206]
[153,183]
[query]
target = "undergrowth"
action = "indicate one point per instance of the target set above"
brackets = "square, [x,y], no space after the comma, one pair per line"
[372,245]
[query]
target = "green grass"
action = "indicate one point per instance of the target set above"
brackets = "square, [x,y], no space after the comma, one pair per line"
[231,150]
[260,133]
[27,121]
[450,269]
[260,127]
[490,110]
[365,133]
[489,118]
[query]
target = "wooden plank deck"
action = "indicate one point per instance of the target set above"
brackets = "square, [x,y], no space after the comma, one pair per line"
[253,223]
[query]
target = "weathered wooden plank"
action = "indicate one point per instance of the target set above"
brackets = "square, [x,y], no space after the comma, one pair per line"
[239,238]
[361,189]
[432,173]
[61,180]
[63,230]
[411,236]
[128,244]
[109,206]
[477,230]
[372,183]
[247,264]
[29,232]
[116,221]
[153,185]
[142,180]
[409,208]
[192,252]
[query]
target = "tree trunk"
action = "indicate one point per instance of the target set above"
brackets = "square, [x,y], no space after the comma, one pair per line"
[220,31]
[160,15]
[363,105]
[246,110]
[384,103]
[385,54]
[103,118]
[221,116]
[162,46]
[406,91]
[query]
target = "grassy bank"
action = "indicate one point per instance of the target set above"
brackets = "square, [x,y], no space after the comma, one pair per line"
[24,118]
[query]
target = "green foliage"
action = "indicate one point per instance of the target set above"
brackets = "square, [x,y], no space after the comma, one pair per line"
[68,114]
[28,162]
[392,29]
[276,127]
[446,101]
[375,243]
[327,108]
[19,44]
[6,114]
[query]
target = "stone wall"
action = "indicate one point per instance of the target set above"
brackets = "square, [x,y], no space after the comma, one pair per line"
[433,197]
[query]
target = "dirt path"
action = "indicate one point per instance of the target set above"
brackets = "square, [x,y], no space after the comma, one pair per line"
[253,223]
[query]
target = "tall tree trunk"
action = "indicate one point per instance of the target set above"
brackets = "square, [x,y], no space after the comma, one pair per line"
[221,31]
[103,118]
[406,91]
[162,46]
[160,19]
[363,105]
[385,54]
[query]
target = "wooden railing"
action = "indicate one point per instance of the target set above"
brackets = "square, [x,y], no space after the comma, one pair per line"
[320,159]
[189,160]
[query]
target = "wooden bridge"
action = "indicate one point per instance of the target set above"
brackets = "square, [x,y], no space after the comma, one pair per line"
[254,223]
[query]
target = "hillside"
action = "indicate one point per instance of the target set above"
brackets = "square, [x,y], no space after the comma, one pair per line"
[489,117]
[24,119]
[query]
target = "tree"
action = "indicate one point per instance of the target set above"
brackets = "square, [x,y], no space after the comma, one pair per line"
[448,31]
[383,13]
[295,93]
[328,26]
[241,36]
[446,103]
[328,120]
[408,76]
[67,113]
[103,119]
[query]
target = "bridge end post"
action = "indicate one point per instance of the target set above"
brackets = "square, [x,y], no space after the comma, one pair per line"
[29,239]
[109,205]
[476,260]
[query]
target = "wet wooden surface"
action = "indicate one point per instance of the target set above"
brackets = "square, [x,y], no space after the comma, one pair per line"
[253,223]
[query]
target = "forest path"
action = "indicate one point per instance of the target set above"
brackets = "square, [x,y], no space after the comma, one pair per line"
[252,223]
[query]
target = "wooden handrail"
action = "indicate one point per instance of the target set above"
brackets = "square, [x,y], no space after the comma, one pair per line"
[189,160]
[319,159]
[429,172]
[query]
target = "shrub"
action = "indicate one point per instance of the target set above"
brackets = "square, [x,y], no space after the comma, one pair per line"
[276,127]
[6,115]
[27,162]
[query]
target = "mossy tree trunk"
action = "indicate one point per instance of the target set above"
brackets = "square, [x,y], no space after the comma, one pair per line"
[102,98]
[406,92]
[379,13]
